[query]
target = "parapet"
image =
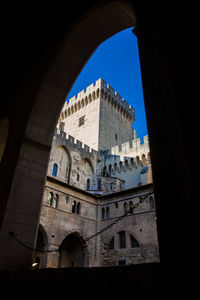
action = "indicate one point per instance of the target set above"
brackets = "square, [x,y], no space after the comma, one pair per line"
[99,89]
[132,148]
[62,139]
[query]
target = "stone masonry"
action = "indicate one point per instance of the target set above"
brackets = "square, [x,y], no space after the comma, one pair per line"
[97,171]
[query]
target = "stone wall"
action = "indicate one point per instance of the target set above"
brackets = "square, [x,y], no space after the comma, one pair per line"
[63,220]
[115,128]
[106,117]
[139,226]
[77,164]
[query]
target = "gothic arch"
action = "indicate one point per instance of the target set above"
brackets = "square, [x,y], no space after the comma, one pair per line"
[67,165]
[62,68]
[90,164]
[73,251]
[41,245]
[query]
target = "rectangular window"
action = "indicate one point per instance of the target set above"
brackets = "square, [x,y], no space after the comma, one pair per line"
[81,121]
[122,240]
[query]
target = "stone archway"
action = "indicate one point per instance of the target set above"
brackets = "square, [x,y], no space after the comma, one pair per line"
[40,256]
[53,77]
[73,251]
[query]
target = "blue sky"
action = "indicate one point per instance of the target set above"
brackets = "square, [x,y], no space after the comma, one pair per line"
[117,62]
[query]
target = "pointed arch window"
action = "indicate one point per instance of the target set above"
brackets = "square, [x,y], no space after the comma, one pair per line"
[88,184]
[55,201]
[77,176]
[110,170]
[78,209]
[74,207]
[55,170]
[50,199]
[99,184]
[130,207]
[105,171]
[115,167]
[134,242]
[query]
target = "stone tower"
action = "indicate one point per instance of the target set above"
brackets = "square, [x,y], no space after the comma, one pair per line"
[98,117]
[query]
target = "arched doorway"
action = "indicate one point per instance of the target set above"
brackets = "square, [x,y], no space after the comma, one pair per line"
[40,256]
[73,252]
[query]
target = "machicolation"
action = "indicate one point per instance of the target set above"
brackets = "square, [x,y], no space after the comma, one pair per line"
[93,92]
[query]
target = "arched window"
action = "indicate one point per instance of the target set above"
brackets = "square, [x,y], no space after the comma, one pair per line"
[88,184]
[55,201]
[103,213]
[137,161]
[126,163]
[78,209]
[55,170]
[99,184]
[50,199]
[74,207]
[122,239]
[105,171]
[134,242]
[107,212]
[115,167]
[144,162]
[120,166]
[77,177]
[130,207]
[110,170]
[132,162]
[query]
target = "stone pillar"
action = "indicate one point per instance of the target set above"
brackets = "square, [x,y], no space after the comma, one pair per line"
[167,58]
[23,206]
[53,257]
[98,237]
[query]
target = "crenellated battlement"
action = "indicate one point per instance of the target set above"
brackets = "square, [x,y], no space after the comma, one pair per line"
[61,138]
[132,148]
[97,90]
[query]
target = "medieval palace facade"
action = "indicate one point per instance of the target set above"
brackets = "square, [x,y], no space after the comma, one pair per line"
[98,206]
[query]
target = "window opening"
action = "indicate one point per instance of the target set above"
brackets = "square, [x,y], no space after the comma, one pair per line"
[77,177]
[122,239]
[99,184]
[50,199]
[107,212]
[111,244]
[88,184]
[103,213]
[134,242]
[131,207]
[74,207]
[78,209]
[81,121]
[125,207]
[55,201]
[55,170]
